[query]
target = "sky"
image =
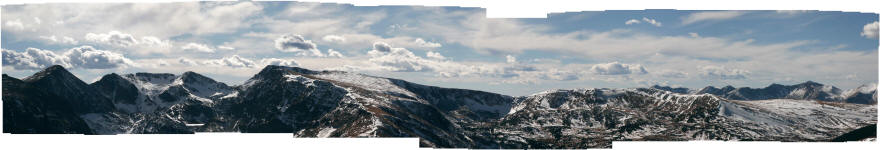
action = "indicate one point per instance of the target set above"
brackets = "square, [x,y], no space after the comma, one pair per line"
[446,46]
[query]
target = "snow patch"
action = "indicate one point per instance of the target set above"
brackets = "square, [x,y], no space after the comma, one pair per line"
[367,82]
[325,132]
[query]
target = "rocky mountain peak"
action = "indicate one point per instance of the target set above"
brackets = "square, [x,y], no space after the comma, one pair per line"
[54,71]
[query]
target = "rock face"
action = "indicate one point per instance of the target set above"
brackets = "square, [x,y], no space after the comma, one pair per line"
[28,109]
[340,104]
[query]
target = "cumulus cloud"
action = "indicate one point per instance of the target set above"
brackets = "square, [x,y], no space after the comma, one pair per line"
[381,47]
[710,15]
[233,61]
[292,42]
[422,43]
[85,57]
[400,59]
[870,30]
[334,38]
[153,41]
[334,53]
[383,57]
[15,24]
[33,59]
[435,55]
[198,48]
[511,59]
[236,61]
[60,40]
[279,62]
[115,38]
[144,45]
[616,68]
[90,58]
[724,73]
[297,43]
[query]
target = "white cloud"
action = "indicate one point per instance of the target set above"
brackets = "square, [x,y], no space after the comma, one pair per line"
[334,38]
[511,59]
[33,59]
[61,40]
[280,62]
[90,58]
[724,73]
[399,59]
[870,30]
[646,20]
[297,43]
[435,55]
[793,12]
[422,43]
[85,57]
[632,21]
[197,48]
[15,24]
[710,15]
[334,53]
[143,46]
[152,41]
[652,21]
[615,68]
[225,47]
[403,60]
[233,61]
[115,38]
[237,62]
[163,20]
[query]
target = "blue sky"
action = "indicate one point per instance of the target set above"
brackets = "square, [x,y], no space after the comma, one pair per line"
[447,46]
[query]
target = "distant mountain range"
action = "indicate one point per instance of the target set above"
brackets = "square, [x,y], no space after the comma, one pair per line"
[311,103]
[865,94]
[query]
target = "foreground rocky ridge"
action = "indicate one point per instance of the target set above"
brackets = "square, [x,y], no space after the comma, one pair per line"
[340,104]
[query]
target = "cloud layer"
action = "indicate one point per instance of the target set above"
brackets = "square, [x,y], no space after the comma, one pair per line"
[723,73]
[85,57]
[710,16]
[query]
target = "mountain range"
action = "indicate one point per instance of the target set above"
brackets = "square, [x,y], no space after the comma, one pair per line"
[308,103]
[865,94]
